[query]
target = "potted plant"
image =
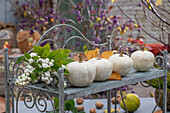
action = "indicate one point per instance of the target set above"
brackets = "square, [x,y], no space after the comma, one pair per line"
[154,83]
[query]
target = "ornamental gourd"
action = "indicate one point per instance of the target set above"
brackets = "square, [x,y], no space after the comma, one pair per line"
[122,63]
[142,60]
[82,73]
[103,68]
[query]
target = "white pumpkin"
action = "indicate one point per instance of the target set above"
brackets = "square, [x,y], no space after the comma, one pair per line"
[103,68]
[142,60]
[82,73]
[121,63]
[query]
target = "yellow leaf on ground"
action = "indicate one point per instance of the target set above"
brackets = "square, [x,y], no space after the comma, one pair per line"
[115,76]
[106,54]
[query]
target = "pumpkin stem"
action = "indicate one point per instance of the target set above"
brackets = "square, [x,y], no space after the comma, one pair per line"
[98,58]
[142,48]
[121,52]
[80,59]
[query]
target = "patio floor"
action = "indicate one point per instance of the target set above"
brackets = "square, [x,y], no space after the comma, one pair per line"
[147,105]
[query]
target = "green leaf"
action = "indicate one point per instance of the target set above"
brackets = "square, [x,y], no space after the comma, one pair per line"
[85,48]
[56,102]
[74,110]
[38,50]
[66,72]
[52,54]
[19,59]
[69,60]
[27,55]
[37,70]
[72,103]
[35,58]
[67,107]
[46,69]
[64,62]
[33,77]
[46,51]
[63,54]
[56,66]
[66,51]
[35,64]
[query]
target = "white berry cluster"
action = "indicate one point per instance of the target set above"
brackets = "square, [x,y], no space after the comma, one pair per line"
[25,78]
[46,77]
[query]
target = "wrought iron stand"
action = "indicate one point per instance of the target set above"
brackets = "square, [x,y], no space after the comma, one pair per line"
[41,92]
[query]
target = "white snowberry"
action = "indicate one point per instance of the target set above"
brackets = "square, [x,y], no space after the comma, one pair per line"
[51,79]
[48,82]
[27,74]
[47,74]
[30,61]
[47,60]
[65,84]
[52,60]
[33,54]
[63,66]
[51,64]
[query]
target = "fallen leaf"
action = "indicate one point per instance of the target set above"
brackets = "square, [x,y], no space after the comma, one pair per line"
[115,76]
[92,53]
[159,111]
[83,56]
[106,54]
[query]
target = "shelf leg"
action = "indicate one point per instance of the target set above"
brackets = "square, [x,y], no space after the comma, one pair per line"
[165,83]
[61,90]
[108,101]
[7,87]
[115,100]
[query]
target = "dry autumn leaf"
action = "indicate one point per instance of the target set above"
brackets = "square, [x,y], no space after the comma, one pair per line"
[115,76]
[83,56]
[92,53]
[106,54]
[159,111]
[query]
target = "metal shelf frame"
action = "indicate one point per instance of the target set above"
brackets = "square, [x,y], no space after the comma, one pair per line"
[35,92]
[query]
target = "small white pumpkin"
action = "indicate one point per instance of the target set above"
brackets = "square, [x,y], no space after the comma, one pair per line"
[142,60]
[103,68]
[121,63]
[82,73]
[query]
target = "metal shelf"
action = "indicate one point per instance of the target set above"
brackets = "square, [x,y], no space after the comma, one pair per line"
[74,92]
